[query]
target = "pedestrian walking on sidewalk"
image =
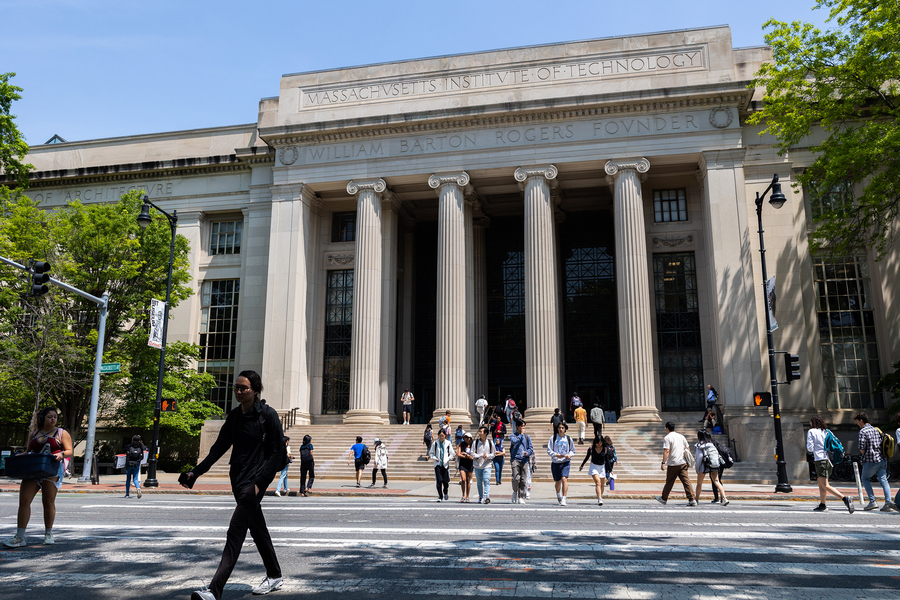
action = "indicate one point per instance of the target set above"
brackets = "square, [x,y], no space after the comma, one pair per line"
[726,463]
[581,419]
[520,452]
[509,407]
[816,443]
[555,420]
[499,454]
[466,465]
[59,441]
[707,461]
[381,462]
[428,438]
[711,397]
[282,481]
[359,458]
[440,452]
[134,456]
[873,462]
[307,466]
[597,419]
[675,465]
[444,423]
[483,451]
[561,449]
[407,398]
[253,431]
[597,453]
[481,406]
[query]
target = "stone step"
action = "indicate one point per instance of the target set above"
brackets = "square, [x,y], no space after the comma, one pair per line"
[639,449]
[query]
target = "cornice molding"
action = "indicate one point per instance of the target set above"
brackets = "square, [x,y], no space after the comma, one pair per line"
[429,122]
[357,185]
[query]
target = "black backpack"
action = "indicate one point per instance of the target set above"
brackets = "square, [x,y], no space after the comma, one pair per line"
[366,456]
[305,454]
[134,455]
[727,461]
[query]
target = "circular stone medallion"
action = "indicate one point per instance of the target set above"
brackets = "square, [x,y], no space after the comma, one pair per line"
[721,117]
[289,155]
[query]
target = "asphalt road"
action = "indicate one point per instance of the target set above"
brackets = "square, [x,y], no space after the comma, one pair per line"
[398,548]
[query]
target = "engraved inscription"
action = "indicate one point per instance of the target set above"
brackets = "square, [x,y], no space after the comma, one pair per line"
[101,194]
[604,66]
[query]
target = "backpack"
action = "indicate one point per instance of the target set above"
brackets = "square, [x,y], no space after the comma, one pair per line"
[511,403]
[305,454]
[283,459]
[517,416]
[887,444]
[727,461]
[366,456]
[134,456]
[576,402]
[834,447]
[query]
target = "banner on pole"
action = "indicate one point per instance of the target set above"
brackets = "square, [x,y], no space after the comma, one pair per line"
[157,314]
[770,301]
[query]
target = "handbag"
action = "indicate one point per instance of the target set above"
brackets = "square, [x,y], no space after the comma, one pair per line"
[688,455]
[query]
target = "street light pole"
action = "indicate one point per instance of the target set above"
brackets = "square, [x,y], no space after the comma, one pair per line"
[144,220]
[777,200]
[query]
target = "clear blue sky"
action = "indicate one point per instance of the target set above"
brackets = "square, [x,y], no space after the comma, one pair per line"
[98,68]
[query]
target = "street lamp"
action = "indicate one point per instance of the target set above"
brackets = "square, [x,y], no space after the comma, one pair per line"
[144,220]
[777,200]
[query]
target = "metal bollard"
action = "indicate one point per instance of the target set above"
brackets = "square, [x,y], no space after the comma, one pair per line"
[858,482]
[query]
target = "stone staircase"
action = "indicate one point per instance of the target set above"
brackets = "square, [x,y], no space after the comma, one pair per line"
[639,449]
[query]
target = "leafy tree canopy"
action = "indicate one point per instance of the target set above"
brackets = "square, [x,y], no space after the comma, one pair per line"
[844,80]
[12,145]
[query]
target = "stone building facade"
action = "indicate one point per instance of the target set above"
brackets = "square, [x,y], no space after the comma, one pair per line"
[525,222]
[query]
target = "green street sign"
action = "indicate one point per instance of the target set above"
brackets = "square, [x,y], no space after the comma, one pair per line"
[110,367]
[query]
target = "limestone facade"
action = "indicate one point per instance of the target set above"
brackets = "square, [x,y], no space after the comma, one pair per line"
[437,163]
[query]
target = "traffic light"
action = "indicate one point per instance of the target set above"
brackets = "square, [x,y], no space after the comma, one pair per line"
[792,366]
[762,399]
[39,278]
[169,405]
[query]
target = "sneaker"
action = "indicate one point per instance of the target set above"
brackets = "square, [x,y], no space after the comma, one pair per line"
[268,585]
[357,485]
[48,538]
[872,505]
[371,486]
[528,495]
[725,502]
[440,499]
[821,508]
[481,501]
[277,493]
[659,499]
[487,500]
[203,594]
[563,502]
[14,542]
[599,501]
[521,500]
[848,503]
[888,507]
[384,486]
[139,493]
[692,503]
[716,501]
[126,496]
[514,499]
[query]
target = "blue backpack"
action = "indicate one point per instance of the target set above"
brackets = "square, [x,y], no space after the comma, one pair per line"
[834,448]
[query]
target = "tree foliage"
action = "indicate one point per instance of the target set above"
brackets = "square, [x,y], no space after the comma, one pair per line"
[891,383]
[845,81]
[98,248]
[12,145]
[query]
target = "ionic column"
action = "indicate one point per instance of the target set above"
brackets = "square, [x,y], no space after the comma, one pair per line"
[389,232]
[639,403]
[541,306]
[479,268]
[450,379]
[365,353]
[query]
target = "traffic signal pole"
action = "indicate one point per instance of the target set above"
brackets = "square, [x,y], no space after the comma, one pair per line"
[103,304]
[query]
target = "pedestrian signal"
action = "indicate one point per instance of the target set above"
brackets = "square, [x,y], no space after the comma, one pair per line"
[762,399]
[792,366]
[39,278]
[169,405]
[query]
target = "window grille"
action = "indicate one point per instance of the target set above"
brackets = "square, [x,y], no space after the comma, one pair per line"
[225,237]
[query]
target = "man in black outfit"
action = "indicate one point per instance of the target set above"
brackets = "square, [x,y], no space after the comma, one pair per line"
[253,431]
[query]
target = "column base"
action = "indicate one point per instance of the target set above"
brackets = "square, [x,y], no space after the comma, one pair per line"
[639,414]
[539,415]
[388,419]
[363,416]
[458,416]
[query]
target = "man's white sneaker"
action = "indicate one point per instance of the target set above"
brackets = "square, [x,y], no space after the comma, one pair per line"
[277,493]
[600,502]
[14,542]
[48,538]
[139,493]
[203,594]
[521,500]
[528,495]
[268,585]
[872,505]
[563,502]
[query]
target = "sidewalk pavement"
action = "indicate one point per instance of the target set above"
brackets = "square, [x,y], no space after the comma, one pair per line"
[168,484]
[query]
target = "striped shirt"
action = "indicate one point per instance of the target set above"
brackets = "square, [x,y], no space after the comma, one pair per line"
[870,444]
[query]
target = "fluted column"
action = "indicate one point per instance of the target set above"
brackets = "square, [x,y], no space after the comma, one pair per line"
[639,403]
[365,352]
[389,235]
[480,274]
[450,377]
[541,306]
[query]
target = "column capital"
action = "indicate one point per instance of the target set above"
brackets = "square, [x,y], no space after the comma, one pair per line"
[549,172]
[188,218]
[460,178]
[292,191]
[614,166]
[357,185]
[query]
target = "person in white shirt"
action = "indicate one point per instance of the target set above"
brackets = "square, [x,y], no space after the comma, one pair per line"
[815,443]
[480,406]
[561,449]
[441,452]
[673,463]
[407,399]
[483,451]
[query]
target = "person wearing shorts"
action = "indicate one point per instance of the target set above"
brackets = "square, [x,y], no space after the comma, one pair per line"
[597,454]
[407,399]
[561,450]
[815,443]
[356,451]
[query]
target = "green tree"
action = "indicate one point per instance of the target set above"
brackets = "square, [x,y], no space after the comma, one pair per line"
[844,83]
[13,148]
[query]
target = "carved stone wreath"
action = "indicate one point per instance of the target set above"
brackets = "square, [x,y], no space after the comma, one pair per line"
[289,155]
[720,117]
[673,242]
[340,259]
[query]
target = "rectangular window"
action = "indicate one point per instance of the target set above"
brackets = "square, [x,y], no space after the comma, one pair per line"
[835,199]
[678,331]
[218,336]
[225,237]
[343,227]
[669,205]
[338,337]
[847,332]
